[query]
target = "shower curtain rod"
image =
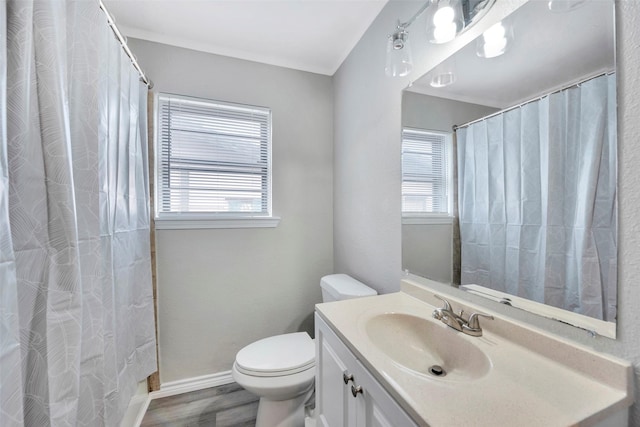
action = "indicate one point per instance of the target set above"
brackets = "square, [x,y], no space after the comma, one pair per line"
[123,43]
[456,127]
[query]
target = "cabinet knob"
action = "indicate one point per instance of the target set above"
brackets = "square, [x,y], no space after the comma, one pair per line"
[355,390]
[346,377]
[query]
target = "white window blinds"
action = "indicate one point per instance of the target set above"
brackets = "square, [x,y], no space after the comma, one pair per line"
[212,158]
[425,172]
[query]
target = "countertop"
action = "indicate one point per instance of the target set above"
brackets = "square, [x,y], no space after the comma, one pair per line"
[526,385]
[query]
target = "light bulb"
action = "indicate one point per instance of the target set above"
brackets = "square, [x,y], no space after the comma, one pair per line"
[443,16]
[444,33]
[447,21]
[494,42]
[497,48]
[494,33]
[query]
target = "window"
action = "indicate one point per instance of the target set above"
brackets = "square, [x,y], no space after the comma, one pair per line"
[426,173]
[213,160]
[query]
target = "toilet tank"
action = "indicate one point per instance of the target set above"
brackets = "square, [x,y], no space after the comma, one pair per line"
[336,287]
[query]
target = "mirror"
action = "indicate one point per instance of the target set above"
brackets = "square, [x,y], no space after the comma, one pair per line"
[552,48]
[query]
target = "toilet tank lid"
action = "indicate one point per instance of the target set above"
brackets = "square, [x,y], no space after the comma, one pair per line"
[343,286]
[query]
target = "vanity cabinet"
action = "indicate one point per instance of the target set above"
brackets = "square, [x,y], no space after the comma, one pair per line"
[512,372]
[347,395]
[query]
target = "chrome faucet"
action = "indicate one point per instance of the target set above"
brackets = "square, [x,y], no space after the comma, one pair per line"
[447,316]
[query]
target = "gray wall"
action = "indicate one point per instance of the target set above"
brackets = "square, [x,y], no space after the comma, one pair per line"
[433,113]
[367,119]
[220,289]
[427,251]
[427,248]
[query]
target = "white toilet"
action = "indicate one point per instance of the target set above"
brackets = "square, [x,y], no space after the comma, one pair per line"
[281,369]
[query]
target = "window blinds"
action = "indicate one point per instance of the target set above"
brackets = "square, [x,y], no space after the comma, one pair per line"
[213,157]
[425,173]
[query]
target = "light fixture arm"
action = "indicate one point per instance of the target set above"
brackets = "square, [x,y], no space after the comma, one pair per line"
[405,25]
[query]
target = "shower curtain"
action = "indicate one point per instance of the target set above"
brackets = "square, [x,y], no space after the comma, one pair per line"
[76,310]
[538,203]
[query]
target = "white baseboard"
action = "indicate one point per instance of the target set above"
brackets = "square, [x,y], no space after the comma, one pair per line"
[137,406]
[142,411]
[192,384]
[140,404]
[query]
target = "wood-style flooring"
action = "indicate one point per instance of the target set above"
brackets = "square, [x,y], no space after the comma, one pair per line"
[225,406]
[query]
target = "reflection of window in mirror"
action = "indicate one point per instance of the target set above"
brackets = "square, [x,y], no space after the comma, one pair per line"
[426,173]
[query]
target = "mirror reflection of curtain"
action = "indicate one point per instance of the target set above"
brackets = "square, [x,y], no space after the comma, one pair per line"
[538,202]
[76,308]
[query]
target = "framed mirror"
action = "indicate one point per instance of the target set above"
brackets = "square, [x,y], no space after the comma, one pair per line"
[519,204]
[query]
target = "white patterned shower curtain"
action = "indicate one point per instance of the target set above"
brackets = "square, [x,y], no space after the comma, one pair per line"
[538,203]
[76,310]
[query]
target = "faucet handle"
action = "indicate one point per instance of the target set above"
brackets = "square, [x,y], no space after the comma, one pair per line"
[474,323]
[447,305]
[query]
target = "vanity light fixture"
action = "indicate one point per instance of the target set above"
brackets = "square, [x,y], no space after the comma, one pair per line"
[495,41]
[445,20]
[399,61]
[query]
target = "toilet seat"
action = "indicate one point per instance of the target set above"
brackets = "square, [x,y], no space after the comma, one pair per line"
[277,356]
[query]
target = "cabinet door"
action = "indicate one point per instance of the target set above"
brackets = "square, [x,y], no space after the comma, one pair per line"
[376,407]
[334,404]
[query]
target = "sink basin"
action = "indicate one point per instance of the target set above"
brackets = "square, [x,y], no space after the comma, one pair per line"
[419,344]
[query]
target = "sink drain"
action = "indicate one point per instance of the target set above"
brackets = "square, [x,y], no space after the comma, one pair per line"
[437,371]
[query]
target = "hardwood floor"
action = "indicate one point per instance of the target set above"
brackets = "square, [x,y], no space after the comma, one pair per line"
[225,406]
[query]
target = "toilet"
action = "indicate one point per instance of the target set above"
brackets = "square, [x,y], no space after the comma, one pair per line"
[281,369]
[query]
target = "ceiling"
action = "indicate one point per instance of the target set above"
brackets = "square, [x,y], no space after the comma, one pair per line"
[549,52]
[307,35]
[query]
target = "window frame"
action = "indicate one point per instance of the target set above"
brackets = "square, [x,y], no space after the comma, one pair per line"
[205,220]
[418,218]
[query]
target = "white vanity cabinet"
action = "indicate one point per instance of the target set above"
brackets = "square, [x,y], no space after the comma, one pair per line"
[512,372]
[347,395]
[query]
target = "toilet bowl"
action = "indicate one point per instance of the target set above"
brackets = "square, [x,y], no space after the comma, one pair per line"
[281,369]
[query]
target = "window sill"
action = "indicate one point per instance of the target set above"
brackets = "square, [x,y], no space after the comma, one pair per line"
[427,220]
[205,223]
